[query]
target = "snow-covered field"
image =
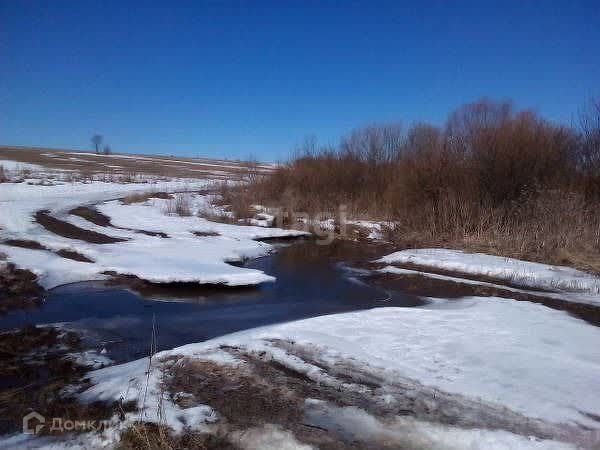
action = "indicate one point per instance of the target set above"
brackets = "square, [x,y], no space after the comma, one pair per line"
[489,373]
[182,257]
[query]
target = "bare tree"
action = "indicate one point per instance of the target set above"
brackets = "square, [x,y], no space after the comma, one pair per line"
[107,150]
[97,142]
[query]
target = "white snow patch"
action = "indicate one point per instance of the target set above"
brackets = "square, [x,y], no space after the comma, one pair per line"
[524,273]
[536,361]
[17,166]
[407,432]
[268,437]
[183,257]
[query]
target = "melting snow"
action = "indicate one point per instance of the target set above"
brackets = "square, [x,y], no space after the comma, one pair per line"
[515,271]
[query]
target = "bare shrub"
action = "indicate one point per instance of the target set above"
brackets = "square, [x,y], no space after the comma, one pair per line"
[491,177]
[141,197]
[238,198]
[180,205]
[588,154]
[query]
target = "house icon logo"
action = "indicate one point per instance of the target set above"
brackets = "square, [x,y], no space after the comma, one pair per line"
[33,423]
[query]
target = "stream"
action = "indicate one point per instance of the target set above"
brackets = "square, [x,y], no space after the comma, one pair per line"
[312,280]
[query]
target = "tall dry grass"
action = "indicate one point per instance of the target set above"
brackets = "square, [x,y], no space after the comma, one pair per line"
[491,177]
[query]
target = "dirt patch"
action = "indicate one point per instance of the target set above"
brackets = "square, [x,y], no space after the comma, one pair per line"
[148,233]
[187,291]
[149,436]
[467,276]
[425,286]
[75,256]
[35,371]
[34,245]
[132,168]
[206,233]
[23,243]
[71,231]
[91,215]
[139,198]
[19,289]
[261,391]
[96,217]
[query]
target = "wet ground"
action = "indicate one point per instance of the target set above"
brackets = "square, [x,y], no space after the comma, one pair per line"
[312,280]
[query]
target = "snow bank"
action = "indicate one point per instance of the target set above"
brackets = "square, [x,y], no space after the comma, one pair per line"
[523,273]
[16,166]
[536,361]
[182,257]
[151,216]
[408,432]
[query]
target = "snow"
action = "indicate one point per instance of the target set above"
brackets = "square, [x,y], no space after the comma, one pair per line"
[535,361]
[182,257]
[408,432]
[150,216]
[591,299]
[16,166]
[517,354]
[523,273]
[268,437]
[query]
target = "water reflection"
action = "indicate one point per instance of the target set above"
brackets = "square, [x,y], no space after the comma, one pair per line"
[311,281]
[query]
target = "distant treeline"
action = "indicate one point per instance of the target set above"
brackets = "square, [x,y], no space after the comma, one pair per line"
[490,175]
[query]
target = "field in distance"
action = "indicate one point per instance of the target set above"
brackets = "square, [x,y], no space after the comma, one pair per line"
[120,164]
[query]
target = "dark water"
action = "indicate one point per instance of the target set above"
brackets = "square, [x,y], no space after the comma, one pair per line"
[312,280]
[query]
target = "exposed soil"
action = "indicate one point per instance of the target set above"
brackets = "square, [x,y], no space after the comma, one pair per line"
[468,276]
[261,391]
[206,233]
[424,286]
[18,289]
[71,231]
[149,436]
[177,290]
[140,198]
[91,215]
[32,245]
[96,217]
[34,372]
[75,256]
[131,166]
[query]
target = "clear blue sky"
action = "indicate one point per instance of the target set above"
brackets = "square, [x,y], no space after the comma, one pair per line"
[231,79]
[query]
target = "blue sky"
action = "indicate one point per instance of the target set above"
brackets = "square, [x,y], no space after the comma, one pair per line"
[234,79]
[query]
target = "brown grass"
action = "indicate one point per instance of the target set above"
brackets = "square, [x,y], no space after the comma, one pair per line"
[144,196]
[180,205]
[492,178]
[148,436]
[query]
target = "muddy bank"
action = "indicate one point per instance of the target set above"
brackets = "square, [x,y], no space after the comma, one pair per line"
[18,289]
[96,217]
[424,286]
[71,231]
[41,372]
[260,396]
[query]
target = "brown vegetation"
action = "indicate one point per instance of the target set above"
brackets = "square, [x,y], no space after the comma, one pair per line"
[71,231]
[180,205]
[492,178]
[36,368]
[18,288]
[144,196]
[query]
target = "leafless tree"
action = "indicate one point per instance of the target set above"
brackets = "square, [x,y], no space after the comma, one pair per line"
[97,142]
[107,150]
